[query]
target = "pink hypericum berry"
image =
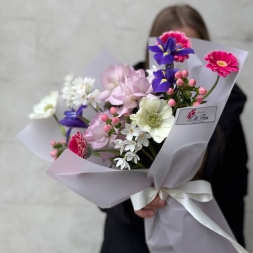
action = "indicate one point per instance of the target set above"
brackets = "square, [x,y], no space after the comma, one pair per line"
[192,82]
[171,102]
[105,117]
[113,110]
[202,91]
[63,141]
[170,91]
[199,98]
[179,82]
[178,75]
[196,103]
[52,143]
[107,128]
[53,153]
[184,73]
[115,121]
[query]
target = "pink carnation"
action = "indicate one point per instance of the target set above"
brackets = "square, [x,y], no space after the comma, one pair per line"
[181,40]
[221,62]
[79,146]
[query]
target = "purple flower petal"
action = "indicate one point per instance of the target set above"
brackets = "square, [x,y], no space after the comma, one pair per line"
[160,85]
[155,49]
[185,51]
[167,59]
[159,73]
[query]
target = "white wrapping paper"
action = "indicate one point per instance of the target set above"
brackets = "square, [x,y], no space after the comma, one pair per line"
[172,229]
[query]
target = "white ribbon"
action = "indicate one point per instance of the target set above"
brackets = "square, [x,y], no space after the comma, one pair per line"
[197,190]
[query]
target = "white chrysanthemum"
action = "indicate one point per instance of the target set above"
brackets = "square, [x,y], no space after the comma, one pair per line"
[83,84]
[76,91]
[79,99]
[68,79]
[130,131]
[46,108]
[155,117]
[122,163]
[94,98]
[67,90]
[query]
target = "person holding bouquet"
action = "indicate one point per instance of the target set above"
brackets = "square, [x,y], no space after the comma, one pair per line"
[224,165]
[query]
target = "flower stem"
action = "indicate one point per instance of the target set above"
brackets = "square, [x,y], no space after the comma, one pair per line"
[147,154]
[95,154]
[108,150]
[209,92]
[151,148]
[141,165]
[86,121]
[63,132]
[99,109]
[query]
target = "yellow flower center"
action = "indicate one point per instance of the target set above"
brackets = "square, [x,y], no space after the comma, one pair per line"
[47,107]
[154,119]
[222,63]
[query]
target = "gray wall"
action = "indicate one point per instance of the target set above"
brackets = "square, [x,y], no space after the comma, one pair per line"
[41,42]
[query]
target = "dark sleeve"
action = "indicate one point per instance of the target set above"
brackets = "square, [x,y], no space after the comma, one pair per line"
[227,151]
[124,212]
[232,111]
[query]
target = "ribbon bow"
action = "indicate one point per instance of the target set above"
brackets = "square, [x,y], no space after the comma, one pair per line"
[197,190]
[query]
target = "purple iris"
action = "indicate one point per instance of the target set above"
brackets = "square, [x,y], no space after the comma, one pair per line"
[164,52]
[72,120]
[164,79]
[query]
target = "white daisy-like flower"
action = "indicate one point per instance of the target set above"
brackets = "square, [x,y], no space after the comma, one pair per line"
[46,108]
[122,163]
[142,139]
[119,144]
[132,156]
[130,131]
[94,98]
[155,117]
[130,145]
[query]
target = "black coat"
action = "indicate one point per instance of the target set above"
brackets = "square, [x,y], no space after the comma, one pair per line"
[225,168]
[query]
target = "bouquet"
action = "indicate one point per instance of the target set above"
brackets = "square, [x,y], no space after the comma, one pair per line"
[143,135]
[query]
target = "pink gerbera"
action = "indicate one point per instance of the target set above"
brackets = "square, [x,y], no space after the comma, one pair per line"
[181,40]
[79,145]
[222,62]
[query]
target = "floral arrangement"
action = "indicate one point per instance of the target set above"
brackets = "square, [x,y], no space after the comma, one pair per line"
[135,111]
[144,121]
